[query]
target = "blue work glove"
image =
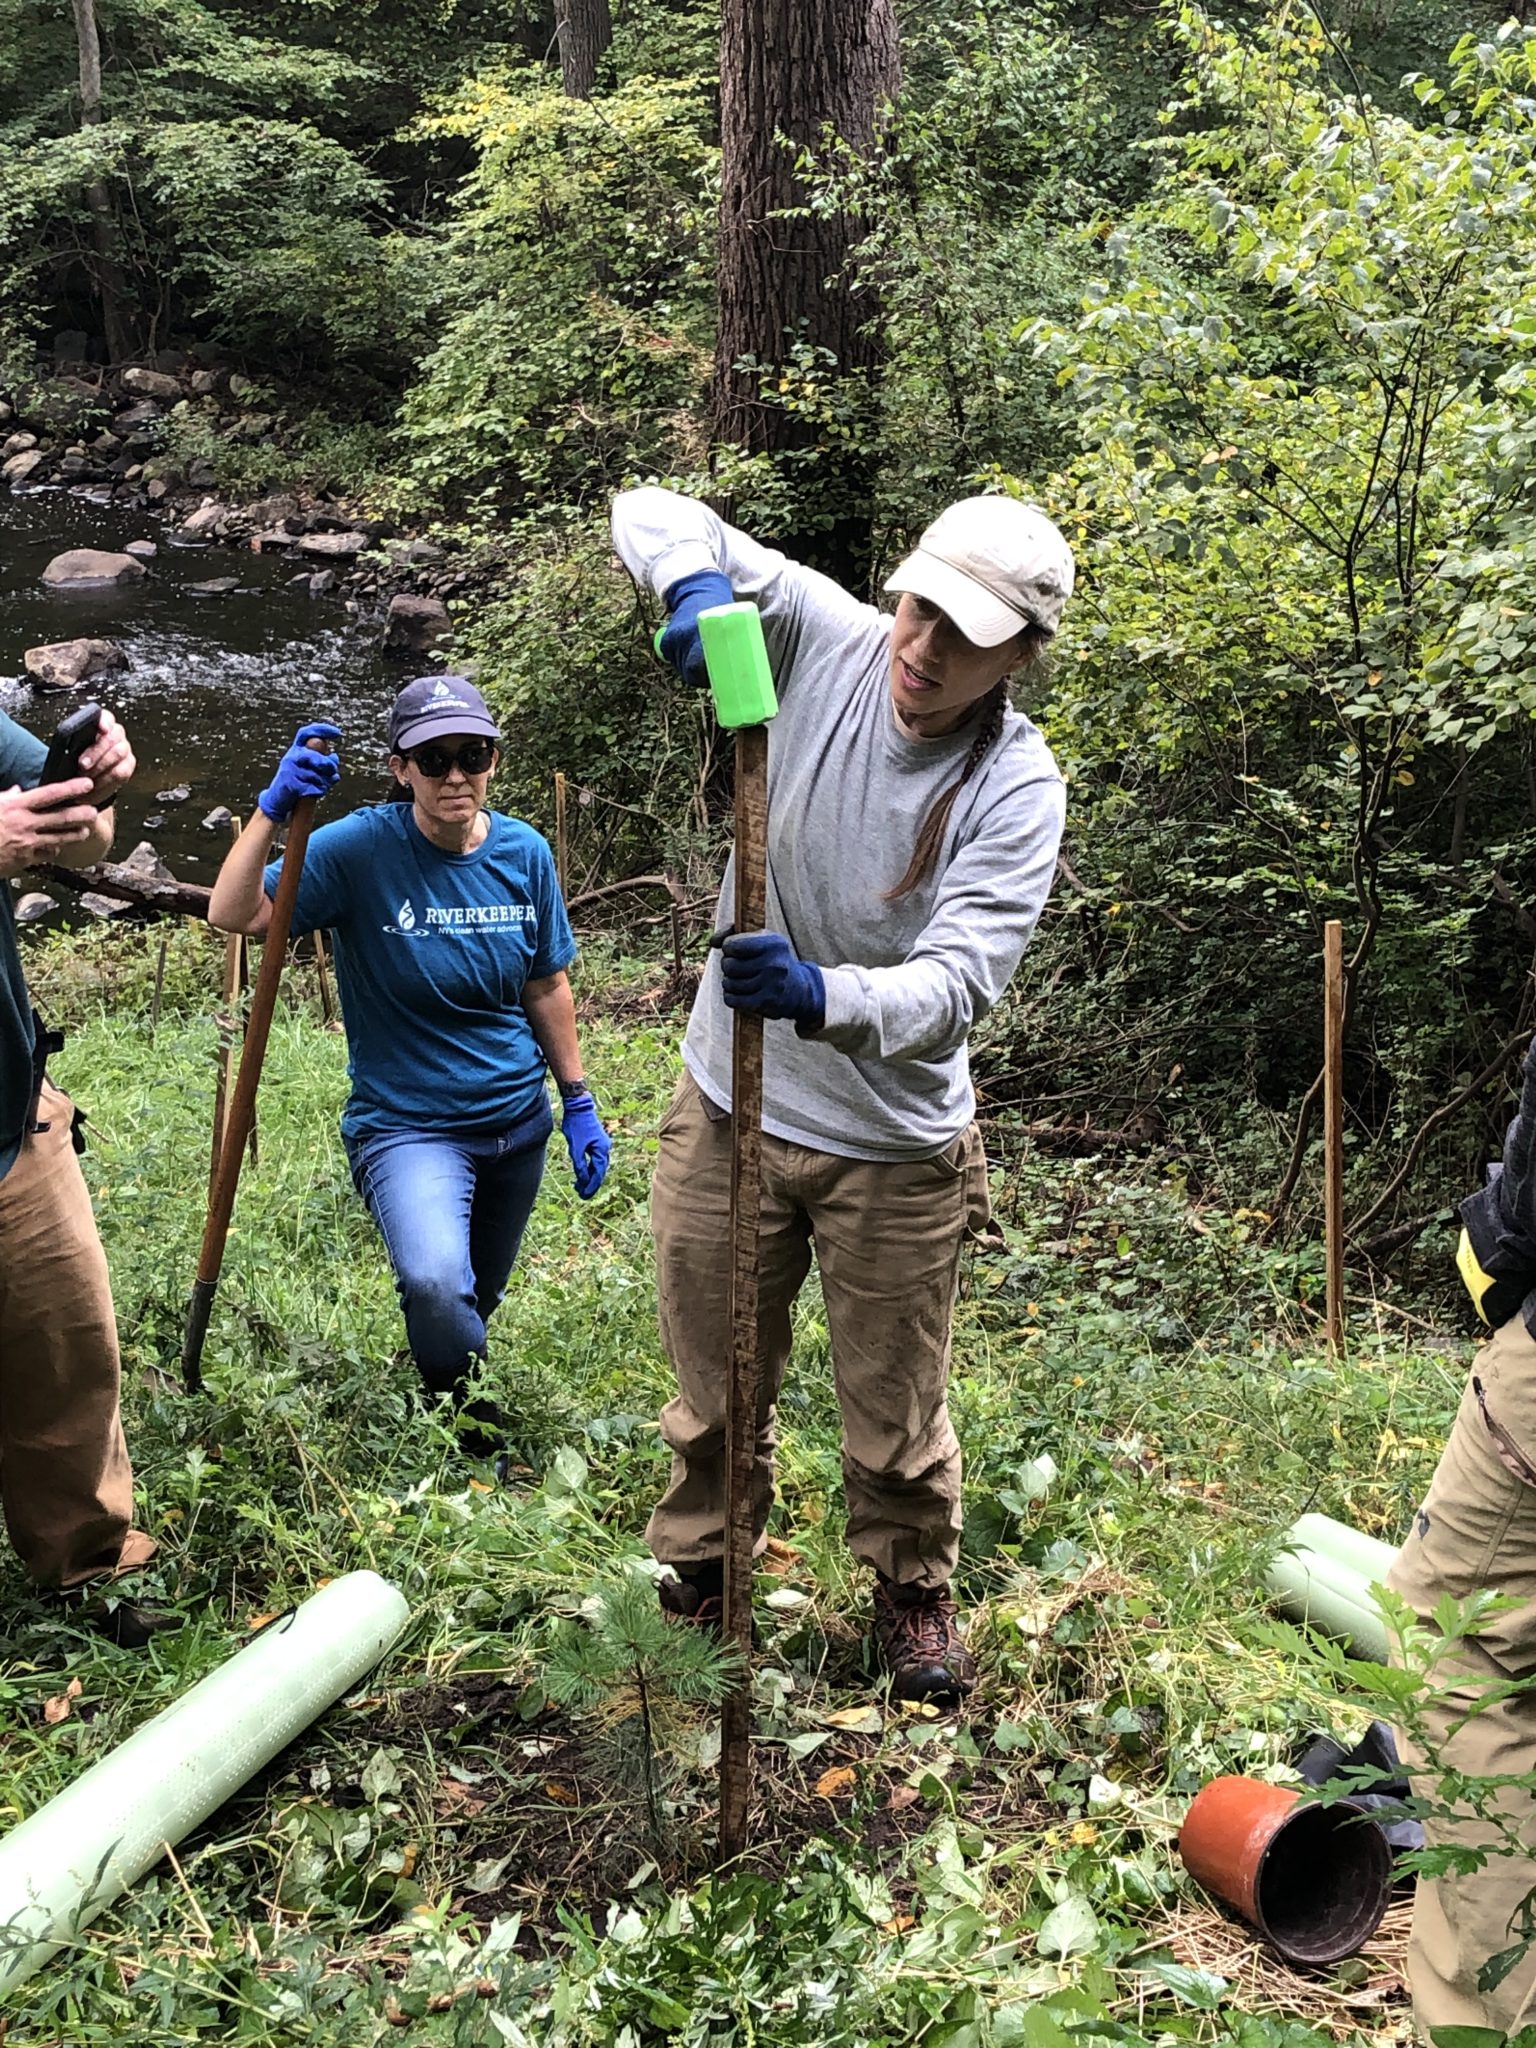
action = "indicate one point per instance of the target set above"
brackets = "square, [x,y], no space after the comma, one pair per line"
[760,971]
[587,1142]
[301,772]
[681,644]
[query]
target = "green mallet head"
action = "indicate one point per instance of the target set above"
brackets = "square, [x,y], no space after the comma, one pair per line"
[740,680]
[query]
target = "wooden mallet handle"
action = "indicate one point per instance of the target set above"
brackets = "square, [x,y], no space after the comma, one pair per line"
[242,1108]
[741,683]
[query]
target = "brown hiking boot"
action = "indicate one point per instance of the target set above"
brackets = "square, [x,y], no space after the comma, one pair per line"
[697,1596]
[918,1642]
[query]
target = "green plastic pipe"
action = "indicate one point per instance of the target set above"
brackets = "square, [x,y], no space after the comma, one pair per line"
[1310,1590]
[1357,1571]
[74,1856]
[1313,1581]
[1366,1556]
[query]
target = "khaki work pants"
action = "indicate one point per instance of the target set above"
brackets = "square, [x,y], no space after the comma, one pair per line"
[1477,1529]
[887,1237]
[65,1482]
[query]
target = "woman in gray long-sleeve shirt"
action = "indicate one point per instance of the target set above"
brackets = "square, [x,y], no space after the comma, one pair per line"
[914,820]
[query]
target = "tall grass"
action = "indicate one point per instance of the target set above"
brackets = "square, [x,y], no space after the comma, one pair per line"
[398,1873]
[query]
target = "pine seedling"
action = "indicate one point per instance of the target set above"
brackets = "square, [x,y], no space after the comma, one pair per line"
[631,1674]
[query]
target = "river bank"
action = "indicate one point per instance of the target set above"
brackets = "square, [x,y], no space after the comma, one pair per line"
[218,459]
[213,688]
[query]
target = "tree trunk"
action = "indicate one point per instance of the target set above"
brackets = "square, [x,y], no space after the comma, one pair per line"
[109,275]
[796,68]
[584,29]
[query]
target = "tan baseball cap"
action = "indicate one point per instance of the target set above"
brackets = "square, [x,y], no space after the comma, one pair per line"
[994,565]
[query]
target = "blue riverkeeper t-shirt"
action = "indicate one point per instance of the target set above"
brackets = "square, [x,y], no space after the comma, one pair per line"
[432,951]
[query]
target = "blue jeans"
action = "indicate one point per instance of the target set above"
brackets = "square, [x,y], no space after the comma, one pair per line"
[452,1212]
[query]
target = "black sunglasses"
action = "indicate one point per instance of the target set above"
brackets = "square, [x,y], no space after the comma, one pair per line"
[474,757]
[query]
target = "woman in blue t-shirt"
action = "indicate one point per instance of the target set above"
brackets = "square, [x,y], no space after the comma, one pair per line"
[451,945]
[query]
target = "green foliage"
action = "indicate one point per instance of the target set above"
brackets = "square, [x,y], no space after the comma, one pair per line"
[631,1674]
[1429,1694]
[326,451]
[1325,409]
[566,658]
[238,149]
[1289,668]
[995,154]
[573,296]
[270,221]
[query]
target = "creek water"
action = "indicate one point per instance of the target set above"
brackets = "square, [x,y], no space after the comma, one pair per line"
[214,687]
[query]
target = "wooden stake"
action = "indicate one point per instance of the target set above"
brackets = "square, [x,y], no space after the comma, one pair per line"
[675,905]
[154,1008]
[242,1111]
[743,1386]
[562,851]
[1333,1125]
[234,955]
[327,1003]
[242,991]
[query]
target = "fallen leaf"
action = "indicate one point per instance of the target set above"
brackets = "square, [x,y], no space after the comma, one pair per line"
[259,1621]
[899,1923]
[1069,1929]
[563,1795]
[863,1720]
[834,1782]
[456,1802]
[802,1746]
[778,1558]
[57,1709]
[380,1776]
[481,1486]
[901,1798]
[488,1874]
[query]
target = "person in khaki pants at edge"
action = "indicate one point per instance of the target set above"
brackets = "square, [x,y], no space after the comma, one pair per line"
[914,818]
[66,1485]
[1477,1530]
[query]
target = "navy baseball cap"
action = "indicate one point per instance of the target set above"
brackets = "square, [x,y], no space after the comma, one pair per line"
[435,705]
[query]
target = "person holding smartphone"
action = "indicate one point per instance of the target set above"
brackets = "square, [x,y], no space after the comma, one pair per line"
[451,946]
[66,1483]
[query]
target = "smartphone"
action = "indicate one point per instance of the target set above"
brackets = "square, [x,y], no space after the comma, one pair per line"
[71,738]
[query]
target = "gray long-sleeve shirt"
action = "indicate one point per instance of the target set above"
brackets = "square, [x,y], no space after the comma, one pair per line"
[888,1074]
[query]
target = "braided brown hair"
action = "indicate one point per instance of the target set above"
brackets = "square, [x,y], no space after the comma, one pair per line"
[989,712]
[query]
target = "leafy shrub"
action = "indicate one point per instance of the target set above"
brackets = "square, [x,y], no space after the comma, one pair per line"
[573,293]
